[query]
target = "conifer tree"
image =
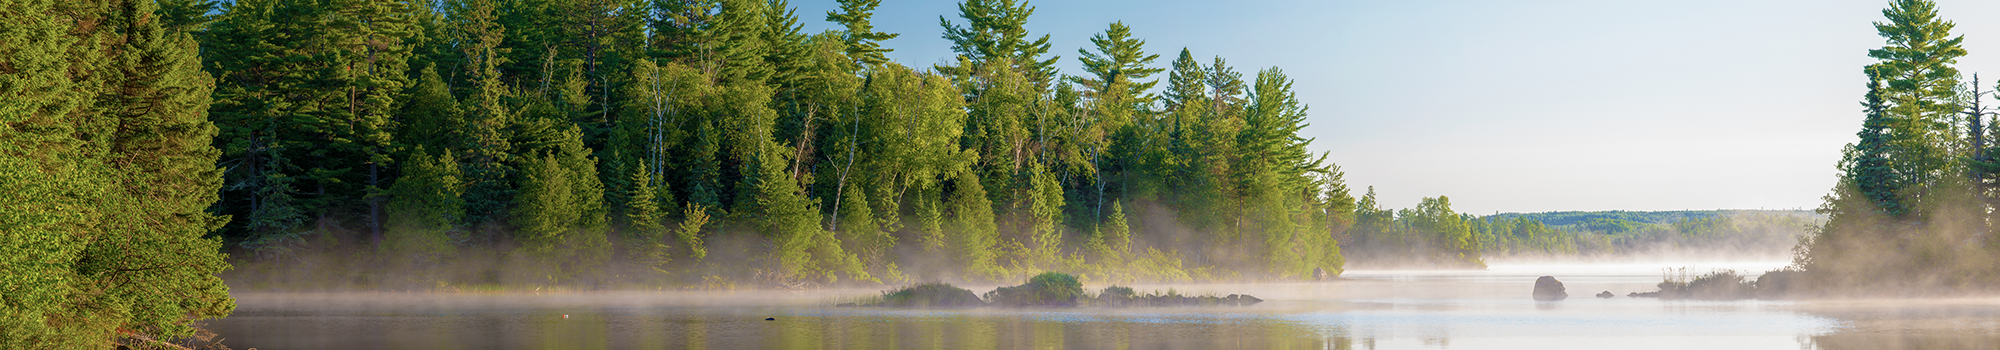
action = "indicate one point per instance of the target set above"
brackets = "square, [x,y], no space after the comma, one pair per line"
[431,118]
[1186,82]
[997,29]
[1918,91]
[153,249]
[109,171]
[426,196]
[1117,236]
[974,236]
[425,206]
[864,44]
[643,227]
[46,213]
[1120,61]
[486,141]
[1225,88]
[542,213]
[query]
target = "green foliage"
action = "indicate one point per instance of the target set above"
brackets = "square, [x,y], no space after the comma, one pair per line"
[863,42]
[1120,61]
[109,172]
[571,144]
[1046,289]
[931,295]
[974,238]
[426,207]
[1907,201]
[996,34]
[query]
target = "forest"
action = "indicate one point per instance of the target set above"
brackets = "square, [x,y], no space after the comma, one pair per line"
[153,149]
[714,144]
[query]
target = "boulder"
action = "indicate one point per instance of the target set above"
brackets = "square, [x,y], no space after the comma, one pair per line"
[1547,288]
[1606,294]
[1319,274]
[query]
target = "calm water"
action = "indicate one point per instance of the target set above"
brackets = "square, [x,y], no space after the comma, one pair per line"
[1372,310]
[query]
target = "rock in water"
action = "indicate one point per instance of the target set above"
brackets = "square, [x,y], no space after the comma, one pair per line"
[1547,288]
[1606,294]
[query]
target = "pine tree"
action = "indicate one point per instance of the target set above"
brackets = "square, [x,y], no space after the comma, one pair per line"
[1120,61]
[1868,164]
[425,206]
[153,248]
[863,42]
[1186,83]
[186,16]
[486,141]
[974,236]
[49,209]
[431,118]
[643,227]
[642,213]
[543,211]
[1117,237]
[109,172]
[1918,91]
[994,30]
[1225,86]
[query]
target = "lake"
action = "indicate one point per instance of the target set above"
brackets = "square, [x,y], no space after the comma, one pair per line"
[1367,310]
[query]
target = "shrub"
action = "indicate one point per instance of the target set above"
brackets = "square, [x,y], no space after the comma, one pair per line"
[931,295]
[1046,289]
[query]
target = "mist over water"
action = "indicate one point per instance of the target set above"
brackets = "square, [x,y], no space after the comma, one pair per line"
[1397,309]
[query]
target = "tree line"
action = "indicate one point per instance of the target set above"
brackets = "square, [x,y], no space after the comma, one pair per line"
[674,141]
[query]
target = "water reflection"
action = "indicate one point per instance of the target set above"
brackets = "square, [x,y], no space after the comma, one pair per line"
[1385,310]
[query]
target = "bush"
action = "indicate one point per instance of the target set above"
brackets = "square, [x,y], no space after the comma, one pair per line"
[931,295]
[1046,289]
[1718,285]
[1721,285]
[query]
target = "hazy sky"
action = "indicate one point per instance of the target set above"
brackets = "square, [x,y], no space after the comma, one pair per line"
[1528,105]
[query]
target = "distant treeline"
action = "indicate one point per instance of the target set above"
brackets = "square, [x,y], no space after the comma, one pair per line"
[1415,240]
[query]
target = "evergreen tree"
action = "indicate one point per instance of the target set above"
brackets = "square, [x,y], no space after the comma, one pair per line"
[1187,82]
[863,42]
[974,236]
[1120,61]
[643,227]
[425,206]
[997,29]
[47,211]
[153,249]
[109,172]
[487,190]
[431,119]
[1919,92]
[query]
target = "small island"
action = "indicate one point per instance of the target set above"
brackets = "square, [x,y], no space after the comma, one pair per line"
[1049,289]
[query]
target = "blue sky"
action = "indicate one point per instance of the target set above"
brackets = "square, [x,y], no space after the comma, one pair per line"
[1528,105]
